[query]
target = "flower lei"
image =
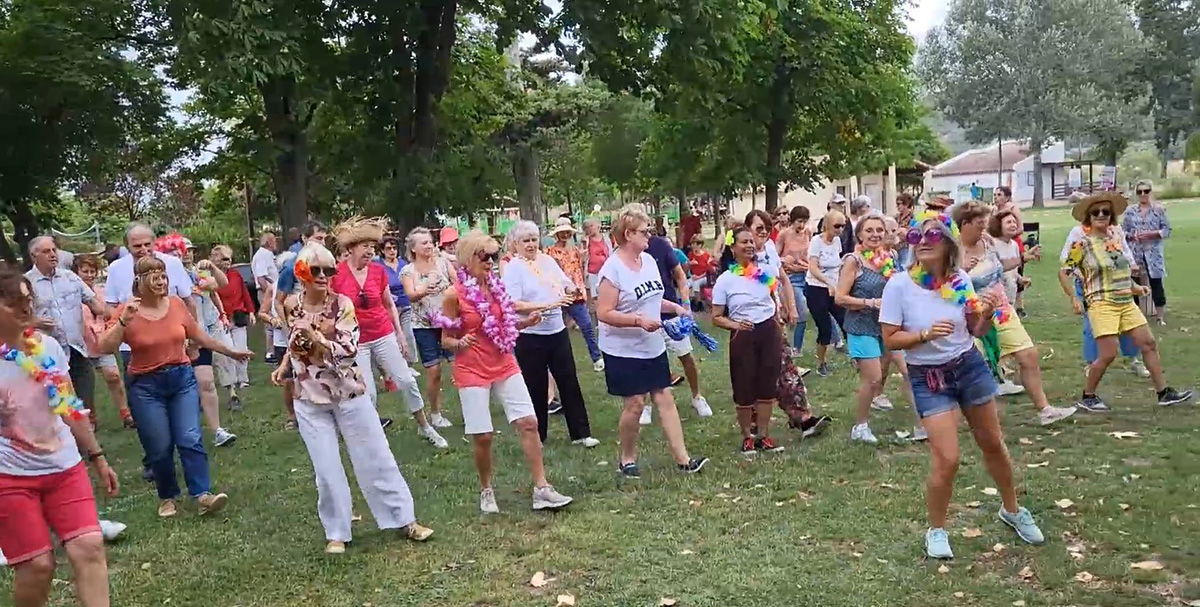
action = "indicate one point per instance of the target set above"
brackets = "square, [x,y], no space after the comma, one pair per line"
[882,261]
[956,289]
[920,218]
[41,367]
[502,331]
[755,273]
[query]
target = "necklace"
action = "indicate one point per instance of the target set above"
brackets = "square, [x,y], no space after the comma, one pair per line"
[955,289]
[755,273]
[882,261]
[503,330]
[42,368]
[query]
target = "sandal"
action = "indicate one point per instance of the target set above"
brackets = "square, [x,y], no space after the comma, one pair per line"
[291,425]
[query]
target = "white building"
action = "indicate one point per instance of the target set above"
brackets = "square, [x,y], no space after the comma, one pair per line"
[985,168]
[880,188]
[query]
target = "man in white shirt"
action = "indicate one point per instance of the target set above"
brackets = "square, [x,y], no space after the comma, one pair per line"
[266,274]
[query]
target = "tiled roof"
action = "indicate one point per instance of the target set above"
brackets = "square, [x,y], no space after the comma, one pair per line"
[982,160]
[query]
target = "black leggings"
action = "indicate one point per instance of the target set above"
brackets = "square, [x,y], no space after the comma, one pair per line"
[541,356]
[1157,294]
[821,307]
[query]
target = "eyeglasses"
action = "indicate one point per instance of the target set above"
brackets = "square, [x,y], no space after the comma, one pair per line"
[325,271]
[642,231]
[486,257]
[914,236]
[761,229]
[838,226]
[1143,192]
[1101,212]
[389,247]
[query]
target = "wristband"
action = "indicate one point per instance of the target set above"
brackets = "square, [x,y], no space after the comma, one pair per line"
[92,457]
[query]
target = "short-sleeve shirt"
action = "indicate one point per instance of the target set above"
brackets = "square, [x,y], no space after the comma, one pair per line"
[156,344]
[62,297]
[262,265]
[744,299]
[663,253]
[700,263]
[1102,262]
[570,259]
[829,259]
[395,285]
[437,281]
[639,291]
[33,440]
[1009,250]
[539,282]
[914,308]
[374,322]
[119,287]
[768,259]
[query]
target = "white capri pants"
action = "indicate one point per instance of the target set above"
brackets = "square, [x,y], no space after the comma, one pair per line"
[375,468]
[232,372]
[386,354]
[510,391]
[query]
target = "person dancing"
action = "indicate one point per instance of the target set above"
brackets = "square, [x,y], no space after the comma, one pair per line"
[235,297]
[426,279]
[931,313]
[1099,255]
[1146,230]
[332,399]
[824,262]
[629,309]
[393,262]
[87,267]
[481,327]
[570,258]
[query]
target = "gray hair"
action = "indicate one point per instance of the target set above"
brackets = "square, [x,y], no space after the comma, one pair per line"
[410,239]
[136,226]
[520,231]
[37,240]
[591,221]
[859,203]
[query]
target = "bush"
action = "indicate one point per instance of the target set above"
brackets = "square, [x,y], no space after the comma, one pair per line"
[1179,186]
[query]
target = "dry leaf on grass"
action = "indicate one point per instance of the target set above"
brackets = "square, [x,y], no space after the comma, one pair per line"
[1024,441]
[943,569]
[1124,506]
[998,548]
[1026,573]
[973,504]
[1064,503]
[972,532]
[1147,566]
[959,595]
[539,580]
[1121,435]
[990,491]
[566,600]
[1018,603]
[887,485]
[686,552]
[1038,465]
[857,555]
[1084,577]
[1048,451]
[666,602]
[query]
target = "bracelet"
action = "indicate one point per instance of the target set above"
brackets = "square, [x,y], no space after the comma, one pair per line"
[92,457]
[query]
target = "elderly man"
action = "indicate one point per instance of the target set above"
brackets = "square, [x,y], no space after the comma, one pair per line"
[266,274]
[59,298]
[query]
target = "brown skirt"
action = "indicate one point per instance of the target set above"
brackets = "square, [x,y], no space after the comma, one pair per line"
[755,363]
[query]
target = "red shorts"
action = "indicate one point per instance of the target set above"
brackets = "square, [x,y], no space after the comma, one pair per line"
[33,506]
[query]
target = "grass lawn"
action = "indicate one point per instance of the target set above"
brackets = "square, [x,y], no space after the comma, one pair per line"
[825,523]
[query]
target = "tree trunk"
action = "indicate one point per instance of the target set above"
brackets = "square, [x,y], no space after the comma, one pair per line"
[1165,150]
[1038,200]
[289,170]
[25,229]
[528,176]
[777,128]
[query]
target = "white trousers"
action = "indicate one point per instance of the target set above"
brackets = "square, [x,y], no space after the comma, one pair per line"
[386,354]
[229,371]
[375,467]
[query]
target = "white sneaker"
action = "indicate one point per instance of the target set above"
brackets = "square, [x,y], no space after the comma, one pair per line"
[598,366]
[432,436]
[1049,415]
[112,530]
[487,501]
[862,434]
[919,434]
[439,421]
[646,419]
[1007,388]
[1139,368]
[223,437]
[881,403]
[546,498]
[701,405]
[587,442]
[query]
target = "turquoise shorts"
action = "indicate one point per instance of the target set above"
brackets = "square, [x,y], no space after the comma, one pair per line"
[864,346]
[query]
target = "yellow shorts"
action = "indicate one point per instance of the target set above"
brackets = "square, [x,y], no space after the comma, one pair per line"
[1012,336]
[1110,318]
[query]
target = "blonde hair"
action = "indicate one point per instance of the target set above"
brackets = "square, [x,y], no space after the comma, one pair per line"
[831,218]
[147,265]
[471,244]
[223,250]
[315,254]
[410,241]
[969,211]
[630,217]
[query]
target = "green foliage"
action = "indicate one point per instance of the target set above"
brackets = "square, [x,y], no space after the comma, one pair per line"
[1172,31]
[1140,161]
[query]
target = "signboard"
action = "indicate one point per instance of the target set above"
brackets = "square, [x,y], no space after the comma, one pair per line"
[1108,178]
[1075,178]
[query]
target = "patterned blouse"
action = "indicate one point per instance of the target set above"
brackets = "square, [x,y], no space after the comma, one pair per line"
[437,281]
[1147,254]
[570,260]
[333,376]
[1102,262]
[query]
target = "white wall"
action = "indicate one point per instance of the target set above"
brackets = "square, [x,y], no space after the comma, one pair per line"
[816,200]
[951,183]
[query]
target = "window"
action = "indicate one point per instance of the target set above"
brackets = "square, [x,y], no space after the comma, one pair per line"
[841,189]
[1029,178]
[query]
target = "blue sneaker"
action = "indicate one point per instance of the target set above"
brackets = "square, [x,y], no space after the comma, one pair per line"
[1022,523]
[937,544]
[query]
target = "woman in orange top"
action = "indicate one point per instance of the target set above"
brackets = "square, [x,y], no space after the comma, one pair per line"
[481,329]
[162,386]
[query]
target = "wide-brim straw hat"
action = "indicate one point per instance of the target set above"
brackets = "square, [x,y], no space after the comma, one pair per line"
[360,229]
[1080,210]
[562,224]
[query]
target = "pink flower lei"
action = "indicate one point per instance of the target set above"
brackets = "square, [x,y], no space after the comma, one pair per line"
[502,331]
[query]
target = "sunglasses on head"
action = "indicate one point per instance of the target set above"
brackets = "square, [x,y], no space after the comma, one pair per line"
[1101,212]
[1143,192]
[485,257]
[325,271]
[931,236]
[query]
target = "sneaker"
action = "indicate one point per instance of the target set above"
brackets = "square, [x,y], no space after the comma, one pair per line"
[646,416]
[1049,415]
[840,346]
[814,425]
[223,437]
[1138,368]
[1170,396]
[416,532]
[824,370]
[630,470]
[546,498]
[749,449]
[431,435]
[1022,523]
[767,445]
[554,407]
[881,403]
[129,424]
[335,547]
[937,544]
[1092,403]
[861,433]
[212,504]
[167,508]
[694,465]
[385,422]
[439,421]
[598,366]
[235,403]
[1022,314]
[487,501]
[587,442]
[700,404]
[1008,388]
[112,530]
[919,434]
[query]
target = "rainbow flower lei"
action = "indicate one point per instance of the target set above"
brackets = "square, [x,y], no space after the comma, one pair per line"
[956,289]
[41,367]
[502,331]
[882,261]
[754,272]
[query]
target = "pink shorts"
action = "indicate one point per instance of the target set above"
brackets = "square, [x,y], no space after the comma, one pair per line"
[33,506]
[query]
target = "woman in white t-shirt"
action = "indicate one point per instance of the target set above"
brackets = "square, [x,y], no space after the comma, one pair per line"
[629,309]
[537,284]
[744,303]
[933,314]
[824,264]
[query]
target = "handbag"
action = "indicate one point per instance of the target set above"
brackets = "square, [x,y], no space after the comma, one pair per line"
[241,319]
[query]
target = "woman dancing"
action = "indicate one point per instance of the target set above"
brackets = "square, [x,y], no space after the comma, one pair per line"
[426,279]
[824,262]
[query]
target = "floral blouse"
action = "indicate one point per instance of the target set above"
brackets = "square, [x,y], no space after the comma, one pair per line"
[437,281]
[332,376]
[1148,254]
[571,261]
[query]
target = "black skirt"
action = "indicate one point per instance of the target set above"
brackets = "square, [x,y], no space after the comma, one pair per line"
[636,376]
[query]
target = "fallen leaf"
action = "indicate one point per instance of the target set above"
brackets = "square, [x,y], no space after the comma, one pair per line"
[1194,603]
[665,602]
[145,566]
[974,504]
[1084,577]
[686,552]
[779,503]
[1064,503]
[1018,603]
[881,561]
[998,548]
[959,595]
[355,518]
[887,485]
[943,569]
[1056,433]
[1048,451]
[1026,573]
[902,434]
[1124,506]
[539,580]
[725,486]
[1038,465]
[1147,565]
[566,600]
[695,502]
[1024,441]
[972,532]
[857,555]
[1135,476]
[601,463]
[1121,435]
[990,491]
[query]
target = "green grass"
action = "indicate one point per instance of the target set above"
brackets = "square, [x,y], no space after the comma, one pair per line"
[825,523]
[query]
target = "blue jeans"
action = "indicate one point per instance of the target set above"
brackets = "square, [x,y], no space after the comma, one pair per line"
[961,383]
[579,313]
[798,282]
[166,406]
[1091,351]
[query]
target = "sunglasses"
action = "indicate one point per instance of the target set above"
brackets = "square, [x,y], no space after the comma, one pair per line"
[838,226]
[1104,212]
[914,236]
[325,271]
[761,229]
[486,257]
[1143,192]
[220,259]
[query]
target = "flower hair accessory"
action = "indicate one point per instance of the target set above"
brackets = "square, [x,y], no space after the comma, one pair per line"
[302,271]
[171,244]
[945,219]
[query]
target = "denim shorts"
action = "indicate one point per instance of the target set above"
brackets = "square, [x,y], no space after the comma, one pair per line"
[429,347]
[966,381]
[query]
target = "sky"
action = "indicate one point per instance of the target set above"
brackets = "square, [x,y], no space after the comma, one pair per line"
[925,15]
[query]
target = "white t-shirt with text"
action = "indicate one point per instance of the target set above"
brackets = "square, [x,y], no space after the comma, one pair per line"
[744,298]
[262,265]
[914,308]
[640,292]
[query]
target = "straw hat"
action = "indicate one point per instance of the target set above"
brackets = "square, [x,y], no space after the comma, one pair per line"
[360,229]
[562,224]
[1081,208]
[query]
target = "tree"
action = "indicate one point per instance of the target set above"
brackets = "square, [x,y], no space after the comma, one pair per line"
[1030,70]
[1172,32]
